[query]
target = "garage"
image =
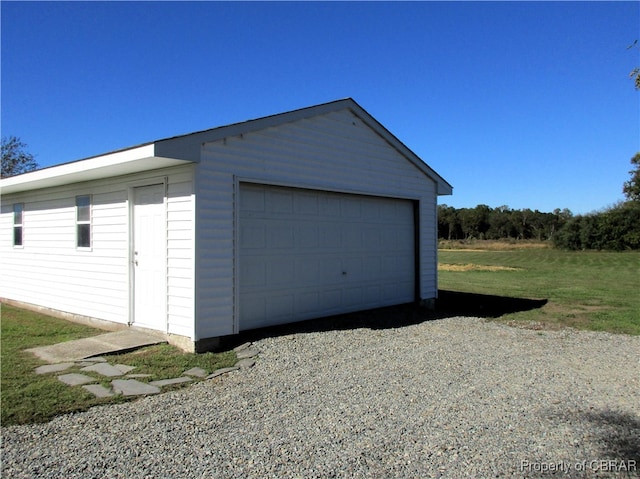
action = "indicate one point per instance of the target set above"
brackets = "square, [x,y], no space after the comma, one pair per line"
[309,253]
[298,215]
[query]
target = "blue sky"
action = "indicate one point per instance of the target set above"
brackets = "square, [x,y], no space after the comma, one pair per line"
[525,104]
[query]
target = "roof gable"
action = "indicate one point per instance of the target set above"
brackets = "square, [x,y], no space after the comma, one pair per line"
[187,148]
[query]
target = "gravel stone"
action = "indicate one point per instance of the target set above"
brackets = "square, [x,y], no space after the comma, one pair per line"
[454,398]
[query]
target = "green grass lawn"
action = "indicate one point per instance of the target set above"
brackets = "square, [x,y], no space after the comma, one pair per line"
[591,290]
[28,397]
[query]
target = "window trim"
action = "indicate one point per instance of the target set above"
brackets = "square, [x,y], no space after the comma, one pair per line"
[81,222]
[18,208]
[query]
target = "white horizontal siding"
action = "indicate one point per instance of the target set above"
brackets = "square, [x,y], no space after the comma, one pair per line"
[50,271]
[180,256]
[335,152]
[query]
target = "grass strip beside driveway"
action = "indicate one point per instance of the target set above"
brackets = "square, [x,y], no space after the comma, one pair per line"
[29,398]
[592,290]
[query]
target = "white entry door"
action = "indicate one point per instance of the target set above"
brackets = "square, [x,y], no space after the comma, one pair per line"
[149,257]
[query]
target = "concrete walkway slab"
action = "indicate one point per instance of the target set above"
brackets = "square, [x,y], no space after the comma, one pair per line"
[119,341]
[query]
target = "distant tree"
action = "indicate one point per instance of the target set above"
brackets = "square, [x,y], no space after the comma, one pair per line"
[15,158]
[631,188]
[448,223]
[616,228]
[635,73]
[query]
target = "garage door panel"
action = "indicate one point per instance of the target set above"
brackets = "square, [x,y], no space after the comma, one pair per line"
[280,271]
[353,270]
[306,203]
[329,238]
[328,206]
[319,253]
[279,201]
[330,271]
[307,270]
[252,199]
[253,272]
[279,306]
[308,303]
[280,235]
[306,235]
[252,236]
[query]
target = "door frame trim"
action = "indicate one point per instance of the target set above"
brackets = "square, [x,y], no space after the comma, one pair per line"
[131,188]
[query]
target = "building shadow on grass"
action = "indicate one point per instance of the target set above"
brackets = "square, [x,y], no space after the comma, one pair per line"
[449,304]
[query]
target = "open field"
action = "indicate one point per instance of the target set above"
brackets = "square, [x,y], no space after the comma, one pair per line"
[492,245]
[28,397]
[591,290]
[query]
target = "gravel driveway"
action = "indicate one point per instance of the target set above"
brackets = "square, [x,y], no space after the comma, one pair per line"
[457,397]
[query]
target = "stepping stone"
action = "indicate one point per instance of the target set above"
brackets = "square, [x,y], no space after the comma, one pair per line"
[53,368]
[82,364]
[246,363]
[241,347]
[132,387]
[247,353]
[98,390]
[168,382]
[198,372]
[97,359]
[221,371]
[104,368]
[124,368]
[75,379]
[138,375]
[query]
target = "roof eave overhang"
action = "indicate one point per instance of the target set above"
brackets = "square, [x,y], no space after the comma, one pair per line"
[124,162]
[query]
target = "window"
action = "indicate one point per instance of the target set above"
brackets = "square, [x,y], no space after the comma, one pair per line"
[83,221]
[18,208]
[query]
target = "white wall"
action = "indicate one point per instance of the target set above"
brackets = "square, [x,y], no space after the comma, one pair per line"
[337,152]
[50,271]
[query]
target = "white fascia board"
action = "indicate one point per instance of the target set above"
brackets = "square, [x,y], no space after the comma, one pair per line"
[133,160]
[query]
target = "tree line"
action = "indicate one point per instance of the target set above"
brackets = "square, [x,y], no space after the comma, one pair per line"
[484,222]
[616,228]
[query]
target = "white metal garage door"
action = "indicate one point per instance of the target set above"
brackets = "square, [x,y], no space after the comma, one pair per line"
[307,254]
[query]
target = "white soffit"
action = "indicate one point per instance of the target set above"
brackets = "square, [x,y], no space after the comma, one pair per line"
[123,162]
